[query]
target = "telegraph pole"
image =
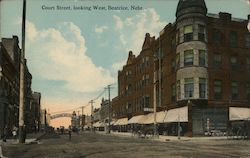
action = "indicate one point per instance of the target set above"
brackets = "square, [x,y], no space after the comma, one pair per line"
[82,118]
[21,95]
[92,111]
[109,109]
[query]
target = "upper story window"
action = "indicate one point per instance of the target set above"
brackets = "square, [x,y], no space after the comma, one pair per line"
[233,39]
[177,63]
[177,37]
[145,61]
[247,40]
[188,57]
[248,64]
[202,58]
[188,33]
[248,90]
[216,36]
[146,102]
[178,89]
[217,89]
[173,65]
[189,87]
[201,32]
[202,87]
[217,61]
[145,80]
[173,90]
[173,43]
[235,90]
[233,63]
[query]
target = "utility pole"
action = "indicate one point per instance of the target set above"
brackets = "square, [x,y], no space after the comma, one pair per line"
[109,109]
[82,119]
[21,95]
[92,111]
[78,119]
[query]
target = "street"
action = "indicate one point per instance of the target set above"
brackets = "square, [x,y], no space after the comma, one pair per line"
[88,145]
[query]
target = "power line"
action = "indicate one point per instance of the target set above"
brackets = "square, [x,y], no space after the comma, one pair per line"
[68,110]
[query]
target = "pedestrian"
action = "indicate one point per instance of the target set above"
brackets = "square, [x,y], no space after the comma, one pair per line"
[69,133]
[14,132]
[5,133]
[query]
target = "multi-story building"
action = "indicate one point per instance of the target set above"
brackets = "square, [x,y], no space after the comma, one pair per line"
[204,65]
[9,82]
[35,110]
[9,87]
[105,111]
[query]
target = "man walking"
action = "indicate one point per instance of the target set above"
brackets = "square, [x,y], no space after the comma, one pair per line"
[5,133]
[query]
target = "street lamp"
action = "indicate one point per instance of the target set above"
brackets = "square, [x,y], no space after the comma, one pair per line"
[248,25]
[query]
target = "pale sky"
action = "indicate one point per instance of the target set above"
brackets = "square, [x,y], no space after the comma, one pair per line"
[74,54]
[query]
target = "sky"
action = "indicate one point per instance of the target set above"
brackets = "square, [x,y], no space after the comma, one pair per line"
[74,54]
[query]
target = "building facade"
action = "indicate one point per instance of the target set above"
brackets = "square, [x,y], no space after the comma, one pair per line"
[9,82]
[105,111]
[10,54]
[35,111]
[204,64]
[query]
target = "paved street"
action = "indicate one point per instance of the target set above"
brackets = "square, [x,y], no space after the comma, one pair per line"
[96,145]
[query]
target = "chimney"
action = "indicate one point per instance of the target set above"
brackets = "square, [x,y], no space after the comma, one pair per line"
[225,16]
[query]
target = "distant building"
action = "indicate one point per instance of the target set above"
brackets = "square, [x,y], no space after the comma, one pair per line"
[36,111]
[104,111]
[96,115]
[204,66]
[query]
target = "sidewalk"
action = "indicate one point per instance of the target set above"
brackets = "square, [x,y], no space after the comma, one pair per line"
[31,137]
[166,138]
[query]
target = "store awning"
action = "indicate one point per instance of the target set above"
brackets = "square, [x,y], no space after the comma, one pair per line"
[122,121]
[96,124]
[239,113]
[149,118]
[99,124]
[136,119]
[177,115]
[113,122]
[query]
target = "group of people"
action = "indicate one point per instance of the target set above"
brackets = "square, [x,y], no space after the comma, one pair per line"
[6,133]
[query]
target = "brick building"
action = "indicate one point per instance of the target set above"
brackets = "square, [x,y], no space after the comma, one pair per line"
[9,87]
[204,65]
[9,82]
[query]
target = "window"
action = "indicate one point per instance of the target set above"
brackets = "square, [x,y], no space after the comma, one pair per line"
[247,40]
[145,80]
[189,87]
[173,43]
[234,87]
[177,60]
[217,89]
[217,61]
[188,57]
[248,90]
[173,65]
[146,101]
[201,32]
[233,63]
[177,37]
[216,36]
[202,87]
[248,64]
[188,33]
[173,90]
[202,58]
[178,89]
[233,39]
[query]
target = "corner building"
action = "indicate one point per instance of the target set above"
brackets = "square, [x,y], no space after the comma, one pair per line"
[205,65]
